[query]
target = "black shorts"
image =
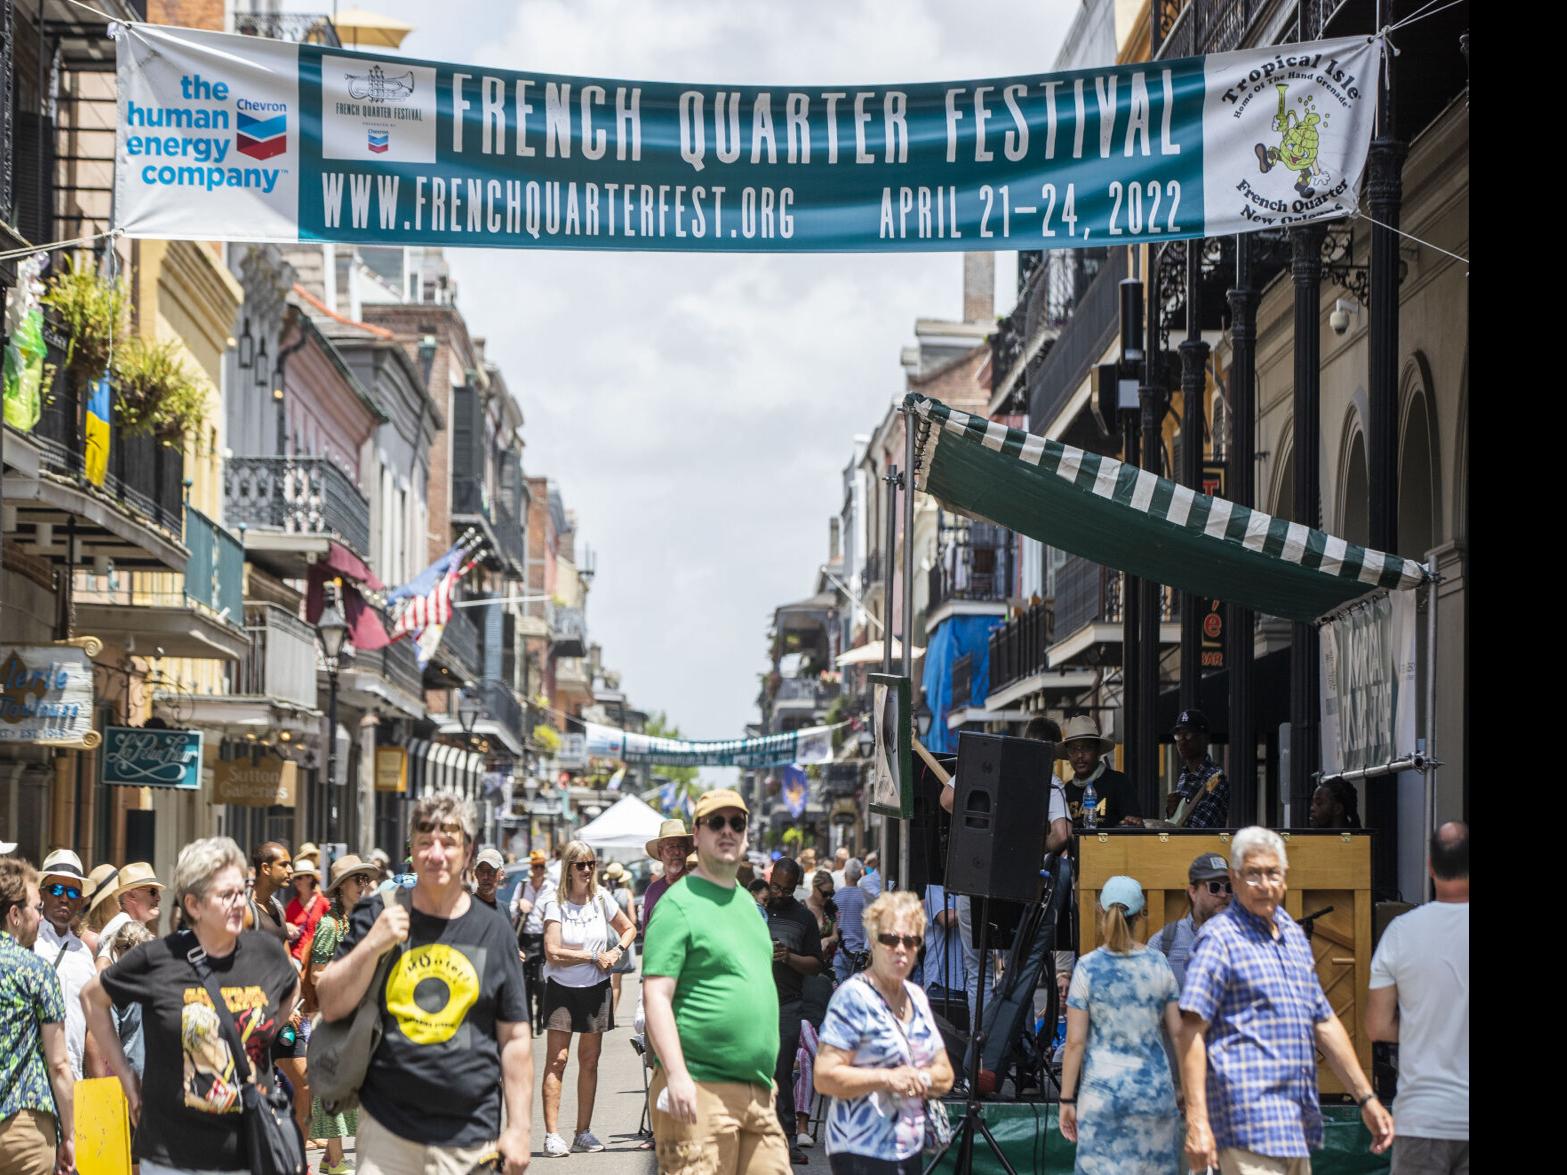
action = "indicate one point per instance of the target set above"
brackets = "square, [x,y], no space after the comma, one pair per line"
[578,1009]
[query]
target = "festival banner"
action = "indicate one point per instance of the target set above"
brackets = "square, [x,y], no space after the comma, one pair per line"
[1369,686]
[227,137]
[812,744]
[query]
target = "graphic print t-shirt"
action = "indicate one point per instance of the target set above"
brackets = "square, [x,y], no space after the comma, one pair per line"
[436,1076]
[190,1114]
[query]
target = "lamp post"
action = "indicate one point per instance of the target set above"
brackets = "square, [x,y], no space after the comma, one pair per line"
[332,630]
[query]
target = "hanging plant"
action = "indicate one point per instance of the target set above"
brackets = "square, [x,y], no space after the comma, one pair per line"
[157,396]
[547,737]
[91,311]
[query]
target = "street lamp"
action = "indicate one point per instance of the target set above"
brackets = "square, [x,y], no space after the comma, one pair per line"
[263,369]
[246,346]
[867,741]
[332,630]
[469,708]
[922,718]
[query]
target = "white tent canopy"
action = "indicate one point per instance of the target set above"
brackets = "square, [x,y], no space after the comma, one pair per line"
[625,826]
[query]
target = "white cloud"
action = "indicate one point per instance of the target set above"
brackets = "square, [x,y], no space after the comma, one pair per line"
[697,409]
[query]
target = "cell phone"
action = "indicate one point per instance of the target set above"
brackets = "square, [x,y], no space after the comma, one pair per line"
[662,1105]
[489,1164]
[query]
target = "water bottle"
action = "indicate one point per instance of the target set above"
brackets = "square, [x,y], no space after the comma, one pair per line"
[1090,805]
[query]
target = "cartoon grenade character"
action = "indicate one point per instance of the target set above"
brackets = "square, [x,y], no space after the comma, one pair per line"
[1297,149]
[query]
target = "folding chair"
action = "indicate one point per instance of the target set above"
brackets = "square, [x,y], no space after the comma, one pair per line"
[645,1125]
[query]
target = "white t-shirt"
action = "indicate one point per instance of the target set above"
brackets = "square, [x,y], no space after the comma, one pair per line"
[584,927]
[534,895]
[1425,954]
[74,967]
[110,929]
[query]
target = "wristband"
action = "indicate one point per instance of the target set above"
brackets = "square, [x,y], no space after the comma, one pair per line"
[1361,1103]
[1068,1101]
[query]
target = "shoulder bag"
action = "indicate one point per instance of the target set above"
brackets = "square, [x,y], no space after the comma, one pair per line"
[339,1052]
[273,1144]
[938,1128]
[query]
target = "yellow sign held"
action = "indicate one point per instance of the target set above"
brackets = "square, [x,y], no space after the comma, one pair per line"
[103,1127]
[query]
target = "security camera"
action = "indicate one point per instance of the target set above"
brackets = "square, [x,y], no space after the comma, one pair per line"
[1339,319]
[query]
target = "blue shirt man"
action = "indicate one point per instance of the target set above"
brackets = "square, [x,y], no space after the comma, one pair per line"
[943,967]
[851,901]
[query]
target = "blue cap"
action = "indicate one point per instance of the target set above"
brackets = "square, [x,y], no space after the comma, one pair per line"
[1122,891]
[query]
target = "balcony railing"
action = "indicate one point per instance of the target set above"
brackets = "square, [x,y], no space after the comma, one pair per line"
[297,495]
[509,531]
[1047,301]
[470,500]
[460,644]
[399,664]
[1093,322]
[794,690]
[962,681]
[569,632]
[300,27]
[976,566]
[281,661]
[1186,28]
[1018,649]
[1087,593]
[502,706]
[144,474]
[215,572]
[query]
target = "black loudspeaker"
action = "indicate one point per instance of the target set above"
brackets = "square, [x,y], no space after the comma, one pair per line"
[998,817]
[928,828]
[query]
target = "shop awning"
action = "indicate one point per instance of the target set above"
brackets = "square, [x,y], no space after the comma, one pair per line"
[870,654]
[1133,520]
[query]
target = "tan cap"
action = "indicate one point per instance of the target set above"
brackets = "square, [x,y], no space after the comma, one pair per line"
[717,800]
[1085,729]
[668,830]
[490,857]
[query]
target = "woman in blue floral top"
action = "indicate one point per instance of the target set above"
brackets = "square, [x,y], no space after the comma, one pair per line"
[880,1054]
[1118,1102]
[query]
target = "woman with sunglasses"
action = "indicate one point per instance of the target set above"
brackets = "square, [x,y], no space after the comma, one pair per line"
[1118,1101]
[880,1055]
[585,935]
[825,911]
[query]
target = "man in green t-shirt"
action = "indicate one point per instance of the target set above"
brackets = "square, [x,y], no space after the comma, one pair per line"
[712,1012]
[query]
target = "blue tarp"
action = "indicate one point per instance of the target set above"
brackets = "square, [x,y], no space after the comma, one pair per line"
[952,638]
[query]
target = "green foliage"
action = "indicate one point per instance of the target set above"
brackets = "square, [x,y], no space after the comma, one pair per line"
[92,311]
[156,393]
[547,737]
[793,838]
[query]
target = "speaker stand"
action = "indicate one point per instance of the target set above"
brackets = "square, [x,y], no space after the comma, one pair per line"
[973,1120]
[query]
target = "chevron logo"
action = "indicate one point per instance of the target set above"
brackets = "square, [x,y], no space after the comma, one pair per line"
[380,141]
[260,138]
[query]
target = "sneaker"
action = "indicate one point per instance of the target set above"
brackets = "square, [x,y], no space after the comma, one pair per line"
[343,1168]
[555,1146]
[586,1142]
[804,1140]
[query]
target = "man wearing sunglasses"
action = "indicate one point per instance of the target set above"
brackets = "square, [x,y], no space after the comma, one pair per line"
[1208,887]
[62,884]
[712,1012]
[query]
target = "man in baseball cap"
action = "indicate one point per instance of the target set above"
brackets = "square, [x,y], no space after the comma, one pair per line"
[487,869]
[1201,798]
[1208,888]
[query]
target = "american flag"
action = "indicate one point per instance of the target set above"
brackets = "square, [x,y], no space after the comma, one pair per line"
[426,599]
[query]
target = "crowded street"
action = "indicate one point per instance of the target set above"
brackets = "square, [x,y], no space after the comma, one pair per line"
[726,589]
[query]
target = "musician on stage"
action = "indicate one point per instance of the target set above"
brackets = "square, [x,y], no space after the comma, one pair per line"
[1201,798]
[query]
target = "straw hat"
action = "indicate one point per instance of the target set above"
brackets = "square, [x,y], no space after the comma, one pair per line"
[539,857]
[668,830]
[133,876]
[615,871]
[307,851]
[62,863]
[307,868]
[1085,729]
[345,867]
[98,877]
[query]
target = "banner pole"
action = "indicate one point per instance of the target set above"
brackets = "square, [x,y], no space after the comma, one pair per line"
[909,420]
[888,581]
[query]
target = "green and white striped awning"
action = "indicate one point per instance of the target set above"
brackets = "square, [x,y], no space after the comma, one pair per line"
[1128,518]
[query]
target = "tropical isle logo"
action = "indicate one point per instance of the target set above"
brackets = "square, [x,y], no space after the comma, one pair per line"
[1297,97]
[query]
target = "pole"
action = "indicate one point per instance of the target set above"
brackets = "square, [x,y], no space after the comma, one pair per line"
[1306,271]
[893,480]
[909,420]
[1242,473]
[1430,740]
[1152,399]
[331,750]
[1130,616]
[1384,194]
[1194,383]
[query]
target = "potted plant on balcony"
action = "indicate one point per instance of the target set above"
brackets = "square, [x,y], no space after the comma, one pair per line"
[91,313]
[157,395]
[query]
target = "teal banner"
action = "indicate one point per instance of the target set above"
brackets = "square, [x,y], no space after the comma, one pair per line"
[225,137]
[137,757]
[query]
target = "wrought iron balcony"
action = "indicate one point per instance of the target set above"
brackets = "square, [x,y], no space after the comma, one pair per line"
[806,691]
[962,681]
[300,27]
[281,661]
[399,664]
[460,645]
[297,495]
[1047,299]
[1089,329]
[1088,593]
[215,574]
[568,632]
[976,564]
[1018,649]
[1186,28]
[472,503]
[501,705]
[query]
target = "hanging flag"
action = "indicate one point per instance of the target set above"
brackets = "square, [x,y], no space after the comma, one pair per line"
[616,779]
[795,789]
[810,745]
[95,436]
[24,346]
[669,798]
[426,599]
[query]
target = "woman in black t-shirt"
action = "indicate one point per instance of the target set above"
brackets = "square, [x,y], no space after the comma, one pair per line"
[187,1108]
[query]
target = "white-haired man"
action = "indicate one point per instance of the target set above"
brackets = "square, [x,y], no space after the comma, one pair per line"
[1253,1015]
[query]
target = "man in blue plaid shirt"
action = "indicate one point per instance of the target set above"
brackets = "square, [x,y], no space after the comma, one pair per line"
[1254,1008]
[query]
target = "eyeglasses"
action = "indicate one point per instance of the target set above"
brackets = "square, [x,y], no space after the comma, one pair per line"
[715,822]
[1266,877]
[1218,887]
[585,866]
[69,891]
[909,941]
[232,898]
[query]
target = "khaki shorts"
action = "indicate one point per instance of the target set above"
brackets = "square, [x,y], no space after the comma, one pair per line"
[1235,1161]
[380,1152]
[736,1132]
[27,1143]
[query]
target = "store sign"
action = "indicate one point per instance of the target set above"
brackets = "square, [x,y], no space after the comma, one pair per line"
[46,694]
[269,782]
[225,137]
[573,753]
[134,757]
[391,770]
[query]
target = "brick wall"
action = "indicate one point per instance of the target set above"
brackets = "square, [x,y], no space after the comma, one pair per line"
[191,14]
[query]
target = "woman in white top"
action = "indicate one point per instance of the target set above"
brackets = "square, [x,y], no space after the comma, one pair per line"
[585,935]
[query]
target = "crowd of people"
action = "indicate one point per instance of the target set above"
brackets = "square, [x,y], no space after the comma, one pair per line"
[776,994]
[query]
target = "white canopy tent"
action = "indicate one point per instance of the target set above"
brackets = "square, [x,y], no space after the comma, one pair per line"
[624,827]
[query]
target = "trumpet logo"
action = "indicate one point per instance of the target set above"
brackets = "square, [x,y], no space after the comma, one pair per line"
[377,86]
[1299,139]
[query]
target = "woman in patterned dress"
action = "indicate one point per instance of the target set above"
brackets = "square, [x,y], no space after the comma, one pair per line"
[352,879]
[1118,1101]
[880,1054]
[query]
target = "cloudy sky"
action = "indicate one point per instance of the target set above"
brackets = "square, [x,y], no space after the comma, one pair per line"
[697,410]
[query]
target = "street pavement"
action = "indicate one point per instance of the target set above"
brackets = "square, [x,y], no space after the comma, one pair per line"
[617,1110]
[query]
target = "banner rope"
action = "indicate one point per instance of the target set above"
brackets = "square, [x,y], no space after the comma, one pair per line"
[1423,12]
[55,246]
[1412,237]
[98,12]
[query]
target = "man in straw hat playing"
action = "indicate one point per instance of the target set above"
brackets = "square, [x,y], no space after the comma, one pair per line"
[712,1012]
[139,893]
[670,847]
[1115,799]
[62,884]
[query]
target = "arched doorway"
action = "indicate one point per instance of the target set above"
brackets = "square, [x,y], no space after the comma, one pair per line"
[1355,499]
[1417,481]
